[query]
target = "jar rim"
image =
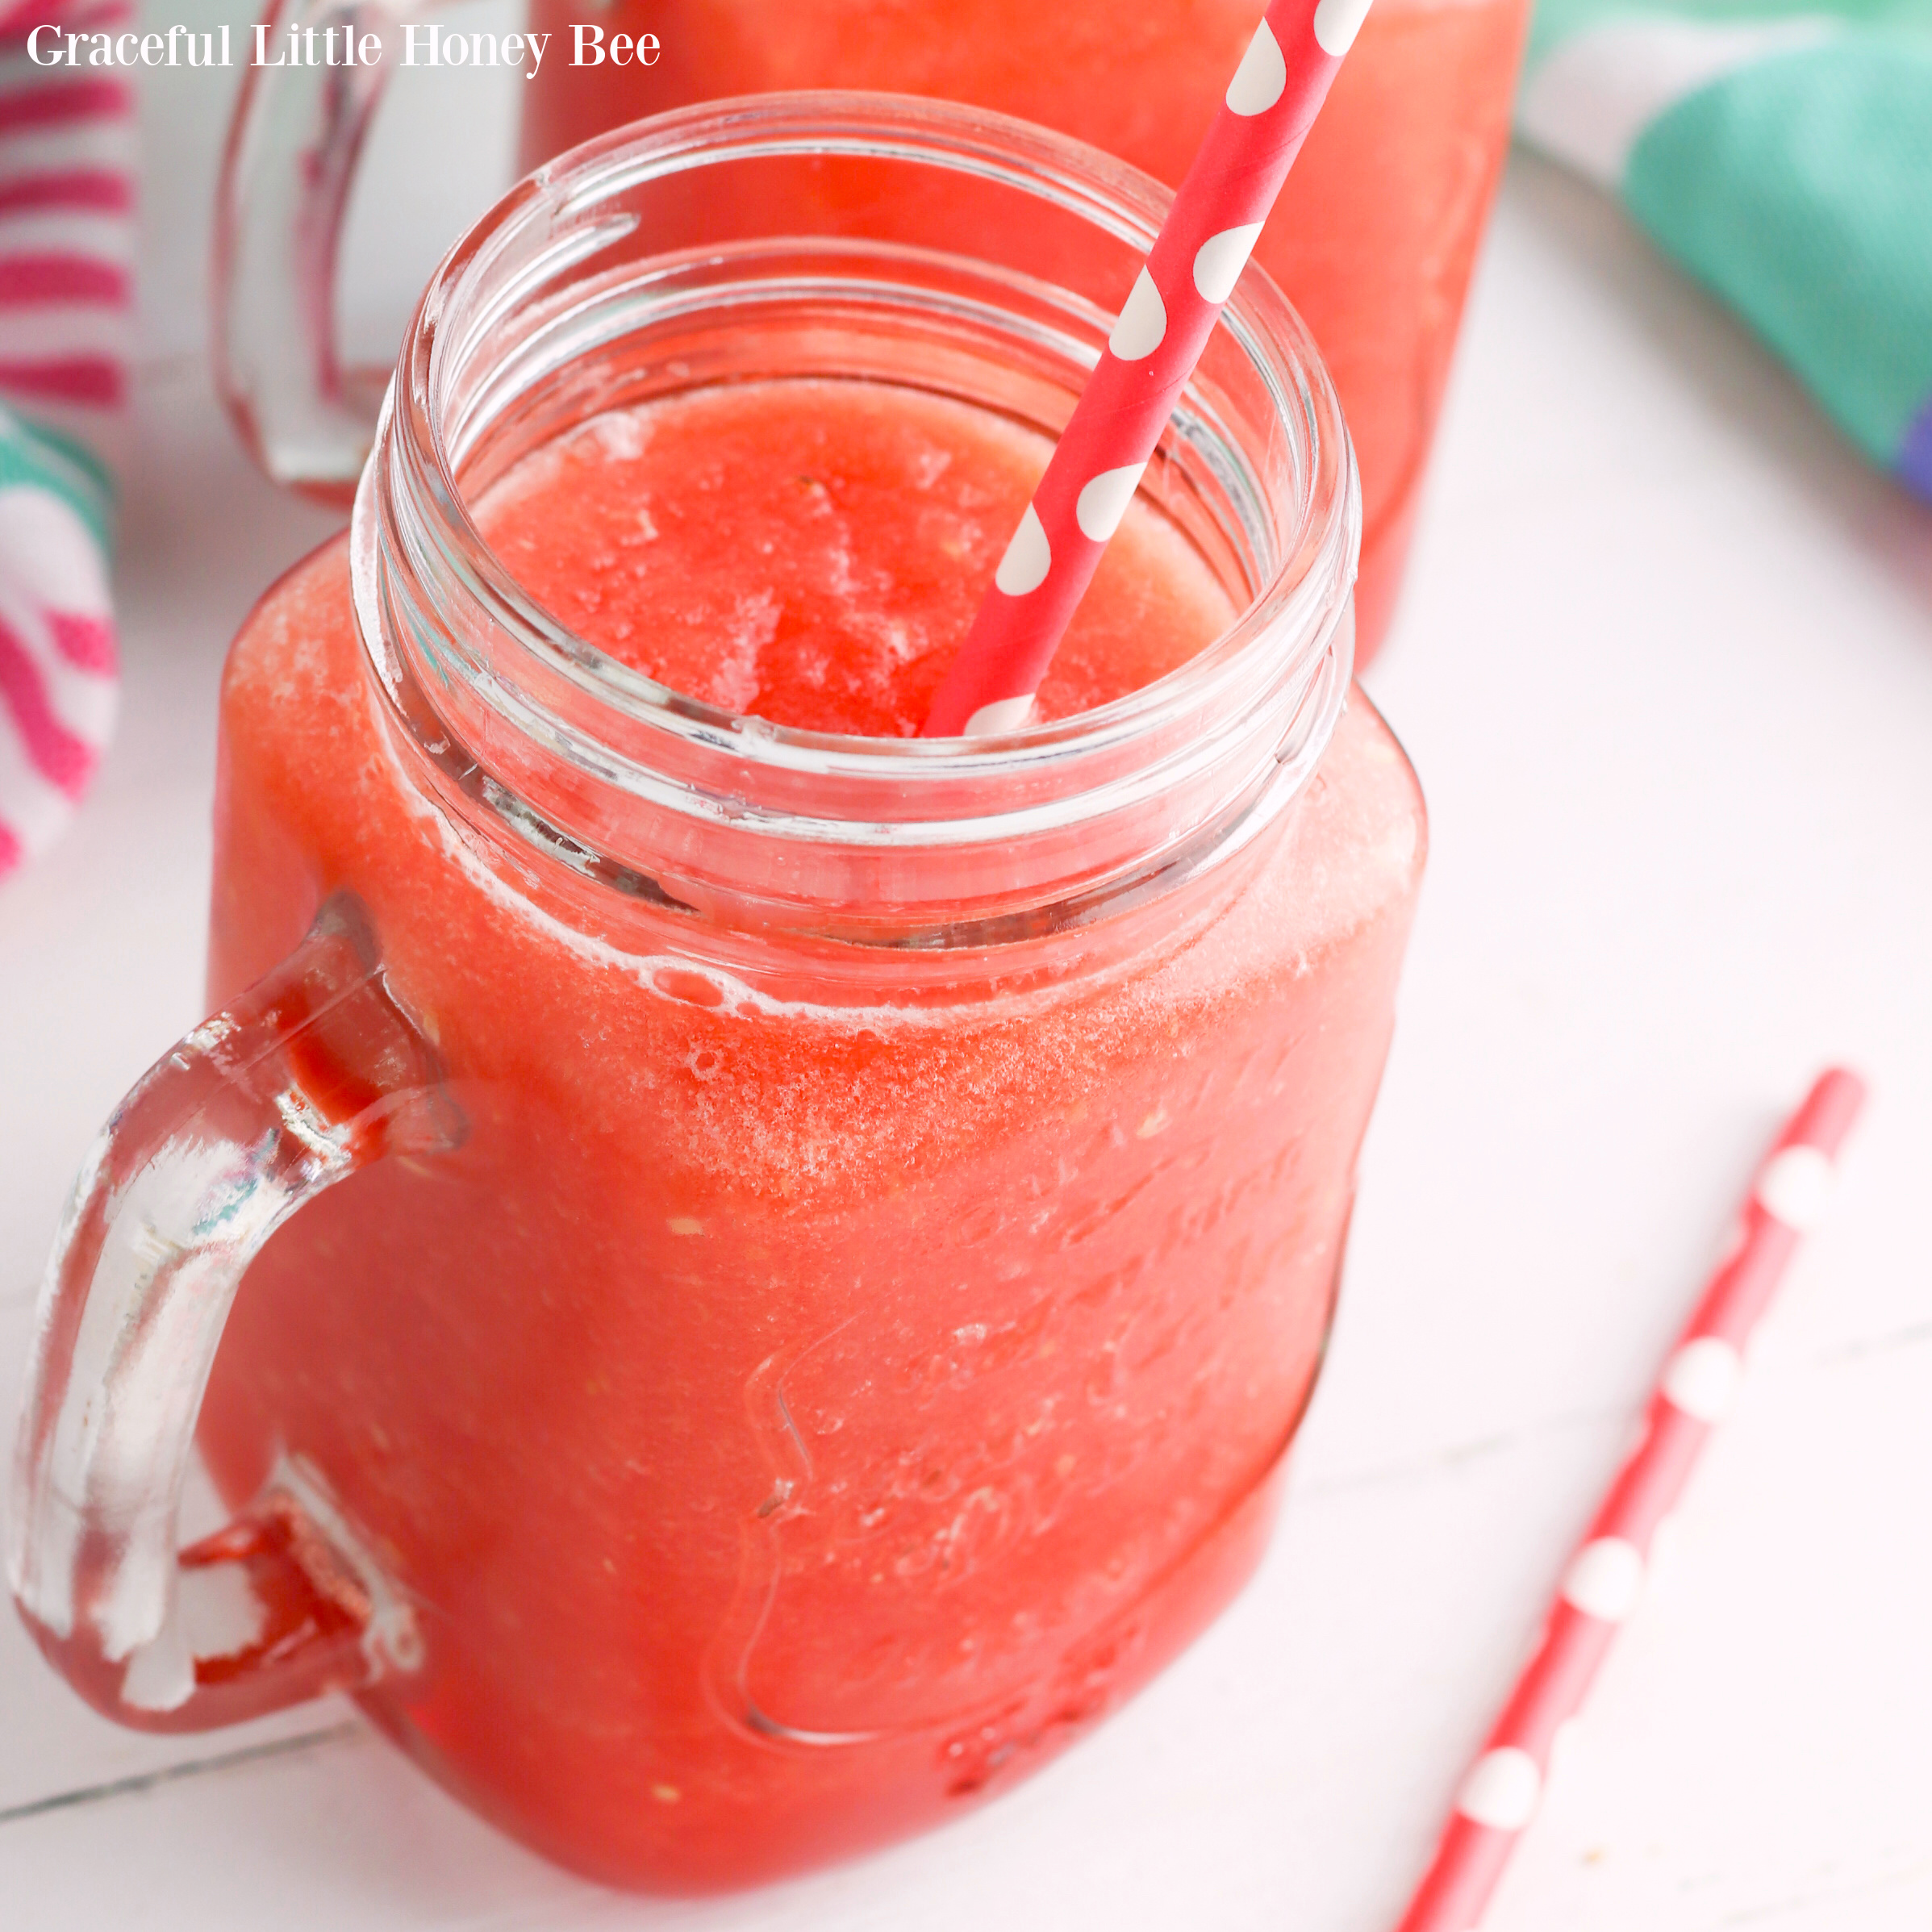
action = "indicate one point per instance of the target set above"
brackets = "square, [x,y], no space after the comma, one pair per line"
[412,517]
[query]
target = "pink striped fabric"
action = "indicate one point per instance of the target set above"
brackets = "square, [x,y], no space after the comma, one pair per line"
[66,317]
[100,188]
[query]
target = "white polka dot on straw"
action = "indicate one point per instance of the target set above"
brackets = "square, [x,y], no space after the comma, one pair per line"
[1701,1379]
[1027,557]
[1336,23]
[1003,715]
[1142,323]
[1605,1578]
[1103,502]
[1501,1789]
[1221,259]
[1262,74]
[1796,1187]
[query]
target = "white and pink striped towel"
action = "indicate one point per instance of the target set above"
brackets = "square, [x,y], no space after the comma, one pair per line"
[66,135]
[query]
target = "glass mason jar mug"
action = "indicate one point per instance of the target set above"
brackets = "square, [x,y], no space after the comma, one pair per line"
[780,1267]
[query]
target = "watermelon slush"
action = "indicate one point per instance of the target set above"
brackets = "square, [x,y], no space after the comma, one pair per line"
[825,1381]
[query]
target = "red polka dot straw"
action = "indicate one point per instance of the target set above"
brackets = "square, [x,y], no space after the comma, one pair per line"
[1600,1588]
[1175,301]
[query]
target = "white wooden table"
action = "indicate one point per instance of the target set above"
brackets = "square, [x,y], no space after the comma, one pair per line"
[1666,668]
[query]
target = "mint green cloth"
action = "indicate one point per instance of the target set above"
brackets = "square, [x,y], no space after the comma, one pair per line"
[1781,152]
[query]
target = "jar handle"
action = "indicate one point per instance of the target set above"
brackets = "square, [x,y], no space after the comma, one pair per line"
[287,171]
[312,1074]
